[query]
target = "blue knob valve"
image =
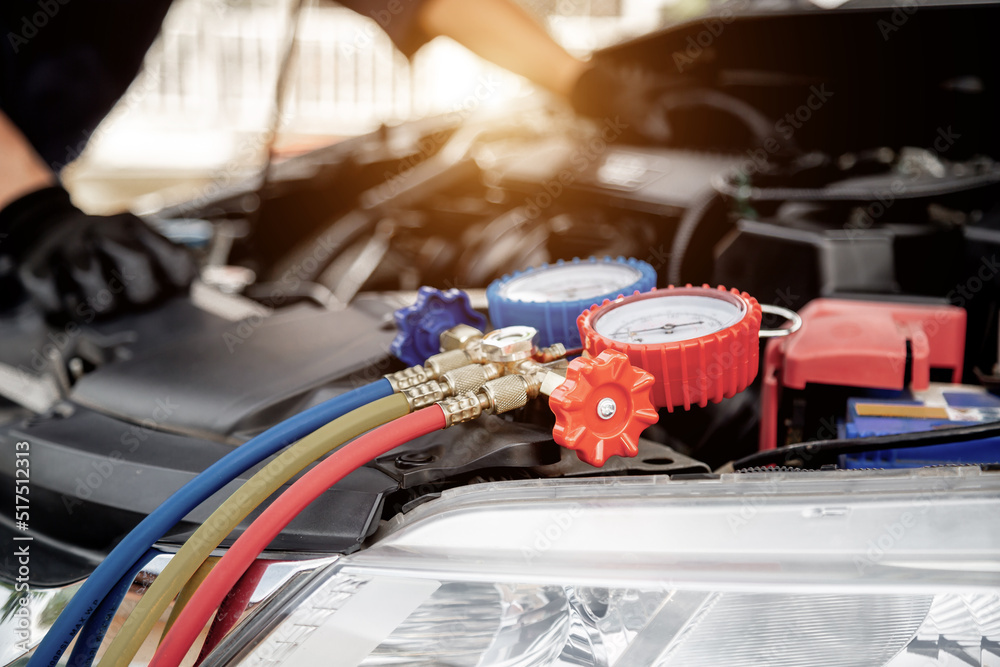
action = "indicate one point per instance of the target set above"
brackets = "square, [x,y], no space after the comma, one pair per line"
[550,297]
[420,326]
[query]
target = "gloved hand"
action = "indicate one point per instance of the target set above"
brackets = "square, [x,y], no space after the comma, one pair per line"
[79,266]
[633,95]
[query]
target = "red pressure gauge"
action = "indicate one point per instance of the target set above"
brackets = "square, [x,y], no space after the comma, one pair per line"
[700,343]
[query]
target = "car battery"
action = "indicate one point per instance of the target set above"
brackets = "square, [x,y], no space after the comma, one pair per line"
[940,406]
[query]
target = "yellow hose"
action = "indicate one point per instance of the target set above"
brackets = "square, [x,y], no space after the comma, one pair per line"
[189,588]
[255,491]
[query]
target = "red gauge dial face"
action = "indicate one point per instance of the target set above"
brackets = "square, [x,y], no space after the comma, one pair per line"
[669,316]
[700,343]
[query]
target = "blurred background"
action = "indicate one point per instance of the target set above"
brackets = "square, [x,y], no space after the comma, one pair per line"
[201,109]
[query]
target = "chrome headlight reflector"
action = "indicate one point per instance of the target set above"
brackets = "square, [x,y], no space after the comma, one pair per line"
[830,568]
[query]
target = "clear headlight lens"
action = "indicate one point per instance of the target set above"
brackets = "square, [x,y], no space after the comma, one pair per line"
[831,569]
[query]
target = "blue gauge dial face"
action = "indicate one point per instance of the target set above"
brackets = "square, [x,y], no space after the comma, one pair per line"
[669,316]
[570,282]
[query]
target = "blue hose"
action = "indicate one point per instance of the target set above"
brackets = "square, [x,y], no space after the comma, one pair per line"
[98,585]
[97,625]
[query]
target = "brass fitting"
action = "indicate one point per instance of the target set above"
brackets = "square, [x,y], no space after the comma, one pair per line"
[509,344]
[408,377]
[546,376]
[459,347]
[506,351]
[460,337]
[425,394]
[462,408]
[495,397]
[470,378]
[435,367]
[439,364]
[508,393]
[461,380]
[551,353]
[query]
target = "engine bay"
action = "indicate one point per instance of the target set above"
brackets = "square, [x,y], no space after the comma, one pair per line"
[863,197]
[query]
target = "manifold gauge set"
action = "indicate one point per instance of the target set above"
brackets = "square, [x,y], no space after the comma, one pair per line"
[596,336]
[700,344]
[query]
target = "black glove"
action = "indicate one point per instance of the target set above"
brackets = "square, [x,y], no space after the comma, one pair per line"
[79,266]
[632,95]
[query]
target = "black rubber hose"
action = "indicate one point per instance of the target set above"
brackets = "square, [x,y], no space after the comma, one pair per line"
[855,193]
[822,452]
[689,224]
[759,125]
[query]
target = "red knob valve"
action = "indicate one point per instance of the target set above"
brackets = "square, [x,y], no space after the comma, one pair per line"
[602,407]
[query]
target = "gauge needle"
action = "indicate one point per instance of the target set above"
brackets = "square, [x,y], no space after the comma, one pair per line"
[666,328]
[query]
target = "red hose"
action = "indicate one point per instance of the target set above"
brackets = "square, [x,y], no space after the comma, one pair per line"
[232,607]
[273,520]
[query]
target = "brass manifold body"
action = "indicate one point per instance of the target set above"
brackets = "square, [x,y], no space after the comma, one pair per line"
[476,374]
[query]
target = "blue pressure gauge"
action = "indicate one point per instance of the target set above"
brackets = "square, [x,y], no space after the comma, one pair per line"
[550,297]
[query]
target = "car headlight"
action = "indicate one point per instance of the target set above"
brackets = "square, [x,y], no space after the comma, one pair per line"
[830,568]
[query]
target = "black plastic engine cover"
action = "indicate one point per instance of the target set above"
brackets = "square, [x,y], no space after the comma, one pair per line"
[223,380]
[93,478]
[175,389]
